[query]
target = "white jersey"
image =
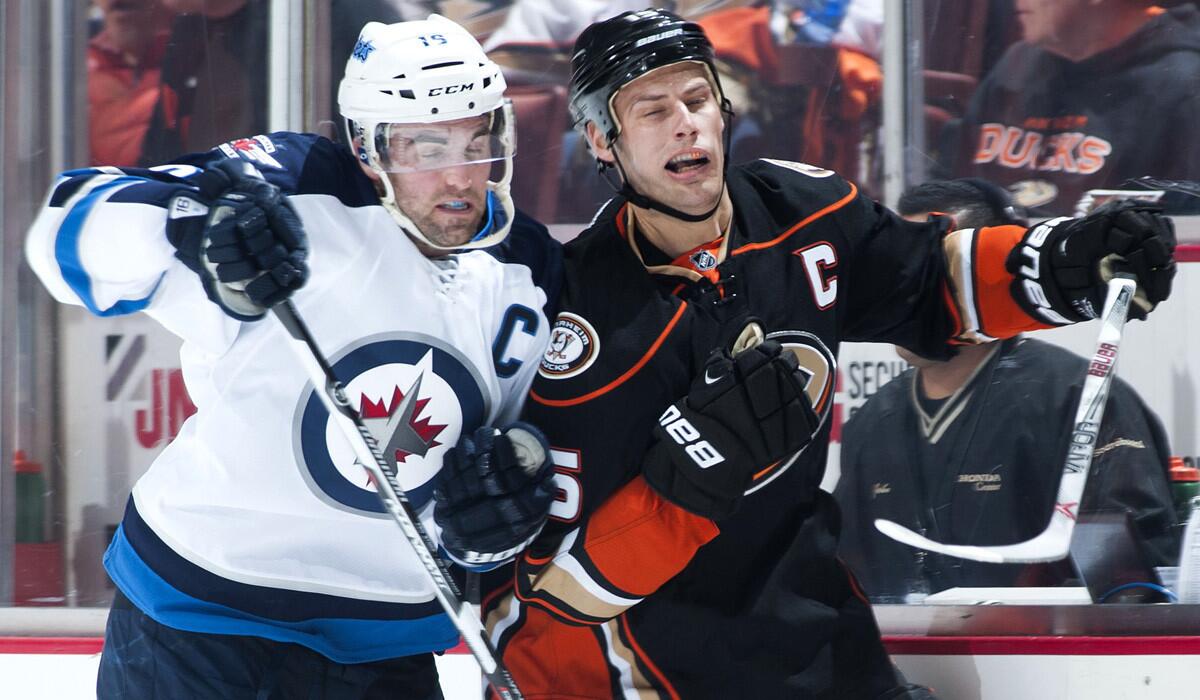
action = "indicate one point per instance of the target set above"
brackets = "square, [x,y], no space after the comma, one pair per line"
[257,519]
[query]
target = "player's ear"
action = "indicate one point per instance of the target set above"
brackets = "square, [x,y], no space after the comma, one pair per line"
[599,144]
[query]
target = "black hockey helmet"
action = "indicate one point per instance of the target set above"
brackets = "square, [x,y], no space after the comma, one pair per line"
[610,54]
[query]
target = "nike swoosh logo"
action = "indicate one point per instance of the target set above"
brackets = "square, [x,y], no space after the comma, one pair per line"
[709,379]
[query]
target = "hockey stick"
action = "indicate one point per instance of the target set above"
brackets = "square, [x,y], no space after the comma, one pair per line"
[1054,542]
[366,448]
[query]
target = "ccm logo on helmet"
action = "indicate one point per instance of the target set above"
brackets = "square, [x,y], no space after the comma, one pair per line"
[451,89]
[684,433]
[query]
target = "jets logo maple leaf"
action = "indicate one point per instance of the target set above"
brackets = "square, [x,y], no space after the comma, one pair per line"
[399,426]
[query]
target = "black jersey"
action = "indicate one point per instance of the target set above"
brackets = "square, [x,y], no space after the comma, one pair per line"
[984,470]
[626,592]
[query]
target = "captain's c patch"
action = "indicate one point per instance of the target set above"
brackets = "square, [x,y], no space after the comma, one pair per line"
[573,347]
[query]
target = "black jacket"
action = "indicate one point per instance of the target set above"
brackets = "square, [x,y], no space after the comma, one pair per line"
[984,470]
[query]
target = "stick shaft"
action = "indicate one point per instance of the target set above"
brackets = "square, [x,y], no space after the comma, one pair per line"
[391,493]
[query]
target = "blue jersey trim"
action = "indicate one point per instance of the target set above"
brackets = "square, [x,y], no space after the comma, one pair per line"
[347,641]
[70,182]
[493,212]
[66,252]
[260,601]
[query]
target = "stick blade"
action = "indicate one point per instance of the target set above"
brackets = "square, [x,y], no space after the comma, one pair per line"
[1052,545]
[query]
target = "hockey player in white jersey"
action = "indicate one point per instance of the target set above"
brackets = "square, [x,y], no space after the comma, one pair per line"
[254,559]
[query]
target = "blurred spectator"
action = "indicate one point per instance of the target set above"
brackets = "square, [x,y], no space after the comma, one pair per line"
[1078,103]
[970,450]
[123,62]
[808,75]
[533,44]
[215,70]
[805,86]
[533,47]
[214,77]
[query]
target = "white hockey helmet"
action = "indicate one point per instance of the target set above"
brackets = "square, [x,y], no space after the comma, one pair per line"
[424,72]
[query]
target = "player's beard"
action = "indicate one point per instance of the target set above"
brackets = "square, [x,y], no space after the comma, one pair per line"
[447,235]
[443,227]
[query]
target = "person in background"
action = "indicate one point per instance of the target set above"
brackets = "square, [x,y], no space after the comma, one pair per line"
[124,60]
[214,73]
[969,449]
[1095,93]
[214,77]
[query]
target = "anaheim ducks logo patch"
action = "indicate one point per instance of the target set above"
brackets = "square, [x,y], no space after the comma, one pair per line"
[573,347]
[819,367]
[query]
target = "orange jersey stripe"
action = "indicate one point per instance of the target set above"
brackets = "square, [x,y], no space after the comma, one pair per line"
[621,379]
[641,655]
[619,219]
[503,590]
[769,467]
[999,314]
[801,224]
[638,540]
[551,660]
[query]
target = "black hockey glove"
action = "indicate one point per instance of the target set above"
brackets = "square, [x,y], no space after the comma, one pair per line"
[493,493]
[241,235]
[1061,267]
[742,415]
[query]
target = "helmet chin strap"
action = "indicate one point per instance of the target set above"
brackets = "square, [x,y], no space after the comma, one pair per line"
[626,190]
[637,198]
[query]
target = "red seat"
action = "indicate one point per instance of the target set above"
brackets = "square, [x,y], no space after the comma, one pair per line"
[541,119]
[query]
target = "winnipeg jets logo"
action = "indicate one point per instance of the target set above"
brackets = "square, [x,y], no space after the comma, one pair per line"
[362,49]
[414,397]
[399,426]
[257,150]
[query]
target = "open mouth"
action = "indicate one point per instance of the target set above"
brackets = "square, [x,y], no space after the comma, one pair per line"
[687,161]
[455,206]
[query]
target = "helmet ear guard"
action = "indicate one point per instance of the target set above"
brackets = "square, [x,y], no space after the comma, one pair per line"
[426,72]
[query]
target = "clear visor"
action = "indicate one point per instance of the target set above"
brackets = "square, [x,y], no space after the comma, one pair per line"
[418,147]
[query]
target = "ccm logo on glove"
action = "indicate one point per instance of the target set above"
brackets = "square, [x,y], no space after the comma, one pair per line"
[684,433]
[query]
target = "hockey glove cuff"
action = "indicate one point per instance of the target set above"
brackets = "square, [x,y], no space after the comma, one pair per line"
[1061,268]
[240,234]
[493,494]
[743,418]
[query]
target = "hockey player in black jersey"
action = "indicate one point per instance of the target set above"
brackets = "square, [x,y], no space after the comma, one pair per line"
[970,450]
[690,553]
